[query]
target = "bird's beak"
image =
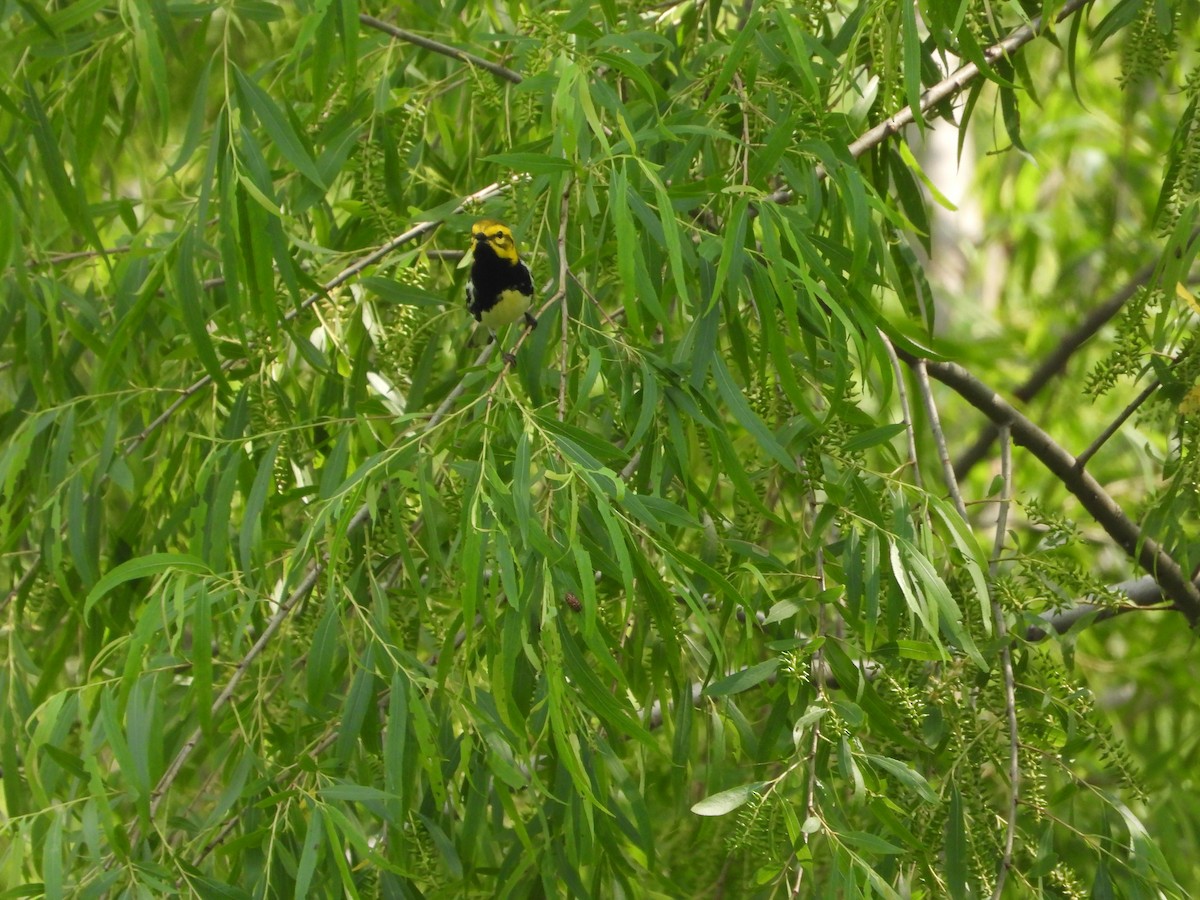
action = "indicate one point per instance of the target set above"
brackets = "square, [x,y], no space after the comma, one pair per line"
[481,238]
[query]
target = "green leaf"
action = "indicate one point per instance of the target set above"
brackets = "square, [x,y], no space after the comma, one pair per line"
[728,801]
[873,437]
[870,843]
[533,163]
[277,127]
[310,851]
[746,417]
[70,196]
[143,567]
[906,775]
[742,680]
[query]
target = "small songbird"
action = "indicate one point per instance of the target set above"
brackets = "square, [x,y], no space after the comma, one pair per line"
[501,289]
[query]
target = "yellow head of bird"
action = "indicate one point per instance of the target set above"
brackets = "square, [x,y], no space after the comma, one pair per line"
[496,235]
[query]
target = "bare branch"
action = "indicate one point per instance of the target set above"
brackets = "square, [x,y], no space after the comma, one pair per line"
[1086,489]
[437,47]
[301,591]
[905,412]
[1082,459]
[939,437]
[1143,594]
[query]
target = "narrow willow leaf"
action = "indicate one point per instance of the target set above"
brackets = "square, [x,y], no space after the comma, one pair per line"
[322,655]
[911,39]
[746,417]
[905,774]
[935,588]
[873,437]
[70,196]
[533,163]
[395,748]
[354,710]
[143,567]
[926,614]
[671,235]
[869,843]
[277,127]
[742,680]
[310,851]
[250,534]
[195,122]
[728,801]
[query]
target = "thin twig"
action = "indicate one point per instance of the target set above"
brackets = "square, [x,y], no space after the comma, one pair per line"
[818,671]
[1082,459]
[172,772]
[905,411]
[563,270]
[437,47]
[445,405]
[1124,531]
[358,520]
[939,437]
[1010,690]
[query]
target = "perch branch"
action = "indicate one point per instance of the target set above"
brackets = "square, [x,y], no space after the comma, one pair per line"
[337,281]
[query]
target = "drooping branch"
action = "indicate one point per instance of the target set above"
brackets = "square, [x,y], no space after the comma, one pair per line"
[1123,530]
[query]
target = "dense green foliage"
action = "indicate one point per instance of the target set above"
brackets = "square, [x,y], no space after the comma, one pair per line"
[307,593]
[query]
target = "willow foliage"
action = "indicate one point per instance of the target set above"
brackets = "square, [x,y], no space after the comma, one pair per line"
[311,595]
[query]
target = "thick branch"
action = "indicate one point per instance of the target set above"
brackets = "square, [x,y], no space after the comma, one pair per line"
[1142,593]
[1086,489]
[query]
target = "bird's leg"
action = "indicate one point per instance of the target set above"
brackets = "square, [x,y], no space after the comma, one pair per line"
[530,320]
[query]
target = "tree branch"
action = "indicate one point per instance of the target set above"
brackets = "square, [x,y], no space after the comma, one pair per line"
[1086,489]
[1143,593]
[1056,361]
[948,87]
[437,47]
[1082,459]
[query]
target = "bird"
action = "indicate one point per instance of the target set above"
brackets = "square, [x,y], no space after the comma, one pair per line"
[500,289]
